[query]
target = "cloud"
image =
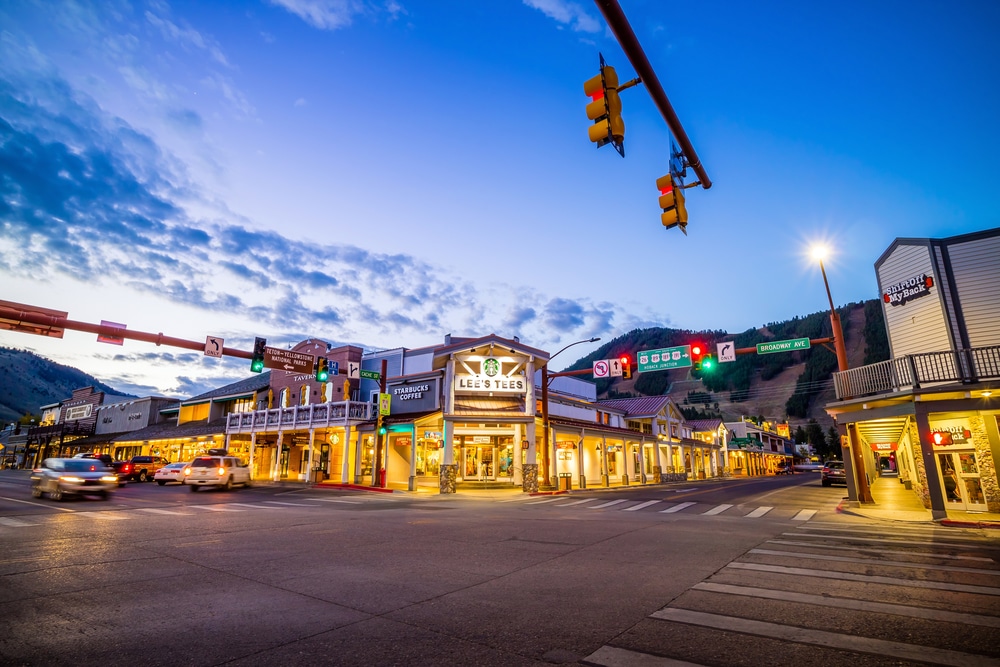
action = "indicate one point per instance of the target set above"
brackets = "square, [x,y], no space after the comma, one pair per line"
[187,36]
[324,14]
[567,13]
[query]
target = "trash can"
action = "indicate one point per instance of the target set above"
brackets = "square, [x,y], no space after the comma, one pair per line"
[565,481]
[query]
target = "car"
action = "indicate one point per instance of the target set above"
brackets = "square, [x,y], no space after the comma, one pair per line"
[833,473]
[172,472]
[61,478]
[143,467]
[218,471]
[123,470]
[808,466]
[106,458]
[785,469]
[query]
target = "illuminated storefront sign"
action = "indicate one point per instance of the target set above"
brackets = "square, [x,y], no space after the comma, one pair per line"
[483,384]
[905,290]
[884,446]
[410,397]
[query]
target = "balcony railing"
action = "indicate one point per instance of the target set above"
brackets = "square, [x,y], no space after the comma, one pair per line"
[300,417]
[916,370]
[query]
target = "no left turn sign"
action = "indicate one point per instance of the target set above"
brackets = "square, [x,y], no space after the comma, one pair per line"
[602,369]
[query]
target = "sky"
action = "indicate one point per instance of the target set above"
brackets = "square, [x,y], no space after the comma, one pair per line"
[385,173]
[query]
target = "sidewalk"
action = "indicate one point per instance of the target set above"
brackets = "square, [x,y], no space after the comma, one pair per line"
[894,502]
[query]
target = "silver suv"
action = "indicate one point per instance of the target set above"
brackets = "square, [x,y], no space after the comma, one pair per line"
[218,471]
[834,473]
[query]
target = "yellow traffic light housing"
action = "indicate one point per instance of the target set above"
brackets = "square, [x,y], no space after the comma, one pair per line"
[605,108]
[672,202]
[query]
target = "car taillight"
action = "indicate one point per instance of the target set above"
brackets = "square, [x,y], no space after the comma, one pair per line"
[222,471]
[826,470]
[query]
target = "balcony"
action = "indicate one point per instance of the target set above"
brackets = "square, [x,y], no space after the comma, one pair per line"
[914,371]
[321,415]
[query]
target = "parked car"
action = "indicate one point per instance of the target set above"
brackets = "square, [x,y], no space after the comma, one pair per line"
[123,470]
[784,469]
[144,467]
[172,472]
[105,458]
[833,473]
[218,471]
[61,478]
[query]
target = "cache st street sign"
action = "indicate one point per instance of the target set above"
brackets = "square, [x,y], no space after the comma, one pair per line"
[371,375]
[286,360]
[660,360]
[783,346]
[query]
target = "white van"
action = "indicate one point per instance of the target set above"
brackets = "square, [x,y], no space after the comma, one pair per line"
[220,471]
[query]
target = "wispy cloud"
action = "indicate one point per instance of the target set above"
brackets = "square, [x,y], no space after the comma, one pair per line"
[324,14]
[187,37]
[569,14]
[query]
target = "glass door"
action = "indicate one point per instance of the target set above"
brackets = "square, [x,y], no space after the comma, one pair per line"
[960,480]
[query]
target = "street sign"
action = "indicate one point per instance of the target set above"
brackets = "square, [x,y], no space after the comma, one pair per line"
[726,351]
[616,367]
[371,375]
[783,346]
[664,359]
[384,401]
[213,347]
[353,370]
[108,338]
[601,369]
[334,367]
[286,360]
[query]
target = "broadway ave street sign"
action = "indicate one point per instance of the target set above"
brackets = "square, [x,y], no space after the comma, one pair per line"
[665,359]
[783,346]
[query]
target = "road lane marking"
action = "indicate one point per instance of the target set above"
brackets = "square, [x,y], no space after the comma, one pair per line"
[256,507]
[759,512]
[677,508]
[804,515]
[718,509]
[28,502]
[578,502]
[546,500]
[197,544]
[14,523]
[868,579]
[106,516]
[334,500]
[641,506]
[612,656]
[154,510]
[278,502]
[909,552]
[517,500]
[910,652]
[857,538]
[856,605]
[608,504]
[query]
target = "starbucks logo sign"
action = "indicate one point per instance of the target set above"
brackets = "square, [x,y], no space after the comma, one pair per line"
[491,367]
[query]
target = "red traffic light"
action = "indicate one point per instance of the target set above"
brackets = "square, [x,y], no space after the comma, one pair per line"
[697,349]
[625,360]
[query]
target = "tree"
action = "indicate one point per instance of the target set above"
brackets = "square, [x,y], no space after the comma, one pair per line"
[800,435]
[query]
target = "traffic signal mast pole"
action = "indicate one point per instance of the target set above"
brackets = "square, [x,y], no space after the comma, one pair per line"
[54,322]
[619,25]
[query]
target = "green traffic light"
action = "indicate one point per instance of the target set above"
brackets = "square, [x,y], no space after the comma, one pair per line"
[257,365]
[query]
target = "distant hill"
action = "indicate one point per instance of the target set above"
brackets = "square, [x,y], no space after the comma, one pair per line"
[28,381]
[792,386]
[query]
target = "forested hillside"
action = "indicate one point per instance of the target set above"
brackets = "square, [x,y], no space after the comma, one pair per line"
[28,381]
[783,386]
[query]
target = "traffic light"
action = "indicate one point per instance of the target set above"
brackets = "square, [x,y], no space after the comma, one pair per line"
[626,367]
[708,363]
[605,109]
[698,351]
[672,202]
[381,430]
[322,368]
[257,362]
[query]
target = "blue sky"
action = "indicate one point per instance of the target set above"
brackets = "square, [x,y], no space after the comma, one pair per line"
[385,173]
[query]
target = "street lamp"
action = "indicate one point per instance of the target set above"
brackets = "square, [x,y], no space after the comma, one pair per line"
[546,480]
[819,252]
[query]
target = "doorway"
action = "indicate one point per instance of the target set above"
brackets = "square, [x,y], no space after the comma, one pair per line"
[959,475]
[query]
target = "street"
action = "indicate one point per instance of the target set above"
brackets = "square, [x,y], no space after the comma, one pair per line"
[731,572]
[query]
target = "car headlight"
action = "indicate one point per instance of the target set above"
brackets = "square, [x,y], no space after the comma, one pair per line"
[187,471]
[70,478]
[222,471]
[109,478]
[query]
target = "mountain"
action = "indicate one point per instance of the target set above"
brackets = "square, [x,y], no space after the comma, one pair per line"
[28,381]
[784,386]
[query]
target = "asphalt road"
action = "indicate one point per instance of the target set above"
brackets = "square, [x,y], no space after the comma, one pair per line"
[737,572]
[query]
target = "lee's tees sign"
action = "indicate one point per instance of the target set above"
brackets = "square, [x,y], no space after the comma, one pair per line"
[491,380]
[905,290]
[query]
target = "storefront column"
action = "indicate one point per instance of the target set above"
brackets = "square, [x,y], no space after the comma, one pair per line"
[310,473]
[530,482]
[658,464]
[579,461]
[605,477]
[448,476]
[276,468]
[626,461]
[253,446]
[933,481]
[412,485]
[518,477]
[345,468]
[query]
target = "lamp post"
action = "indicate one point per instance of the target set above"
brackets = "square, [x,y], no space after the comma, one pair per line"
[546,484]
[852,450]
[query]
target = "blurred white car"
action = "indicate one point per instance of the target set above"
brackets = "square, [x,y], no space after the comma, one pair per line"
[172,472]
[61,478]
[218,471]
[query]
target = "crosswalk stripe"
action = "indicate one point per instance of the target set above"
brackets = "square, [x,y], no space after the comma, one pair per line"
[346,502]
[256,507]
[804,515]
[871,561]
[911,652]
[677,508]
[641,506]
[909,552]
[718,509]
[15,523]
[759,512]
[612,656]
[277,502]
[517,499]
[608,504]
[871,579]
[856,605]
[546,500]
[216,508]
[104,516]
[578,502]
[154,510]
[858,538]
